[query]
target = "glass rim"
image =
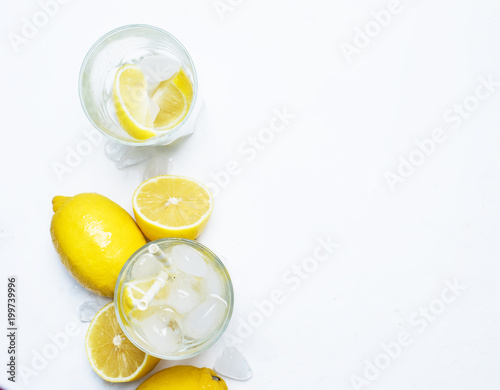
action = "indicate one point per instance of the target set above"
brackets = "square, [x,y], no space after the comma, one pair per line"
[216,336]
[155,140]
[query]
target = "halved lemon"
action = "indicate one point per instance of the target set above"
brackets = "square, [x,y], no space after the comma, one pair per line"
[172,206]
[134,107]
[112,356]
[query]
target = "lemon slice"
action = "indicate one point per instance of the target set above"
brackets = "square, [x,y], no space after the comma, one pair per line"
[133,105]
[173,97]
[134,291]
[172,206]
[112,356]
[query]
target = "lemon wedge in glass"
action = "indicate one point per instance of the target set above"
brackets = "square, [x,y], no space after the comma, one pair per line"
[143,116]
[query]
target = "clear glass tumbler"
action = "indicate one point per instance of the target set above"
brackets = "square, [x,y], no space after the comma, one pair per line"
[173,298]
[129,45]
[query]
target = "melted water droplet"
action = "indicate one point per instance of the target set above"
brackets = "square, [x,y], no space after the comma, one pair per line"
[5,237]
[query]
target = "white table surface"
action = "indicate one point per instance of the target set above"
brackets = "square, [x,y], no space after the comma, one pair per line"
[323,176]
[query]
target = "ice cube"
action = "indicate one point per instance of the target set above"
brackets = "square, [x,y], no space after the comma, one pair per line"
[158,68]
[204,319]
[233,365]
[125,156]
[184,294]
[188,260]
[133,56]
[134,155]
[162,331]
[115,150]
[159,164]
[87,310]
[212,284]
[146,267]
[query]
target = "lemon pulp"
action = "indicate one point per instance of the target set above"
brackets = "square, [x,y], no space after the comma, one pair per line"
[112,356]
[172,206]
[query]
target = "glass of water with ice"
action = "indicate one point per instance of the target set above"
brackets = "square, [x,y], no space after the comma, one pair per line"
[138,85]
[174,298]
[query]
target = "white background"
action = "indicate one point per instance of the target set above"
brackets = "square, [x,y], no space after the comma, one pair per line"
[322,176]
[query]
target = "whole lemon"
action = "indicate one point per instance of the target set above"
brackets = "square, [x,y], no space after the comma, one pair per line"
[94,237]
[184,378]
